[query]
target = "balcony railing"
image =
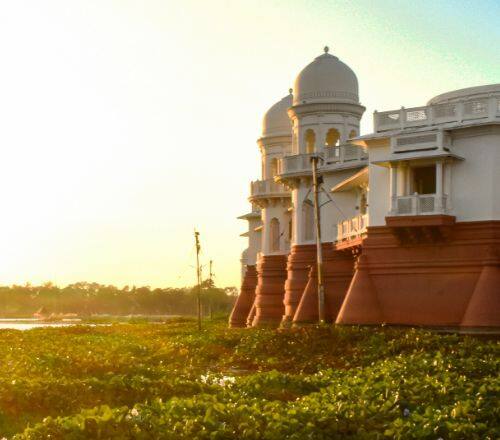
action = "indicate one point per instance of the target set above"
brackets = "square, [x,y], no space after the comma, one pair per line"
[352,228]
[267,188]
[338,155]
[475,109]
[297,163]
[344,153]
[420,204]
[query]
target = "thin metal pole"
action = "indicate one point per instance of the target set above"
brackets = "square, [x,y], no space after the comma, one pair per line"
[198,275]
[210,297]
[319,250]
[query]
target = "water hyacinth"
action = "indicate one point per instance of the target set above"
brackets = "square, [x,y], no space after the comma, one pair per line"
[172,382]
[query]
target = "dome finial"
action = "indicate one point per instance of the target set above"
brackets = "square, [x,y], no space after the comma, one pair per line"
[326,49]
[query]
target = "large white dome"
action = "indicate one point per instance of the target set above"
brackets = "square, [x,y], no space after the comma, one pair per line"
[276,121]
[466,94]
[326,79]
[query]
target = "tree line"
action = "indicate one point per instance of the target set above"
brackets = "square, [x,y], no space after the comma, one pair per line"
[86,299]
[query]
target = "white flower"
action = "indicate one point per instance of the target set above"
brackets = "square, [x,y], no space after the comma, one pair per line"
[226,380]
[134,412]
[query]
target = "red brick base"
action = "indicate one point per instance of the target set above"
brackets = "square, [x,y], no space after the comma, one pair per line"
[270,291]
[245,299]
[338,268]
[300,260]
[440,274]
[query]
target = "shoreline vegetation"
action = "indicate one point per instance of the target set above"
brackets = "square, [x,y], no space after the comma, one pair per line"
[143,380]
[83,299]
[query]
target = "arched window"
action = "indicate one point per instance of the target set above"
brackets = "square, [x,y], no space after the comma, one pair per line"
[310,138]
[352,134]
[273,168]
[332,138]
[308,213]
[275,235]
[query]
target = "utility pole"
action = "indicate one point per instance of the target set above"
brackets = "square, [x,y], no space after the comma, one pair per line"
[210,297]
[198,275]
[319,250]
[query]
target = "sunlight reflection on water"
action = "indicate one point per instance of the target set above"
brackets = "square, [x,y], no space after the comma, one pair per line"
[28,324]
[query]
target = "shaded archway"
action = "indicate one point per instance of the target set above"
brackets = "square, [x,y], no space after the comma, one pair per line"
[273,168]
[332,138]
[310,140]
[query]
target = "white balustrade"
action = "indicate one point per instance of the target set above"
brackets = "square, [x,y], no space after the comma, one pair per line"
[420,204]
[297,163]
[352,228]
[267,188]
[301,163]
[344,153]
[478,108]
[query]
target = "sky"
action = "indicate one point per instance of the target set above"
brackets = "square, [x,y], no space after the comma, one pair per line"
[126,124]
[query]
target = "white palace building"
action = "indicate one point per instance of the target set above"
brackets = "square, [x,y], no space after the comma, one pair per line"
[410,214]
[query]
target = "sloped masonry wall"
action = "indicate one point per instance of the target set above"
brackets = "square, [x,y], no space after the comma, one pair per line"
[300,261]
[338,270]
[245,299]
[451,283]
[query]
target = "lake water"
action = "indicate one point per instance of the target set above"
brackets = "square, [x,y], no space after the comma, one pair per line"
[29,323]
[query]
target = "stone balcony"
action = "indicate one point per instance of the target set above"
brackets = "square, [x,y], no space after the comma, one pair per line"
[296,164]
[267,189]
[331,158]
[467,111]
[420,204]
[342,155]
[352,228]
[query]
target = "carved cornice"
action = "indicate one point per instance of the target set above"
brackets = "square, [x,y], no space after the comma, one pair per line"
[326,107]
[294,180]
[269,141]
[321,94]
[263,201]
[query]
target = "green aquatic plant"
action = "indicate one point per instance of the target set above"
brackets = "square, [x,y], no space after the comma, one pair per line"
[167,381]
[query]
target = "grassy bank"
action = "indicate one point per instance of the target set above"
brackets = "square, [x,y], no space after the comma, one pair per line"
[166,381]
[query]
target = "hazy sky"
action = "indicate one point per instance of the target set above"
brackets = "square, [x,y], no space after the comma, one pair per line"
[125,124]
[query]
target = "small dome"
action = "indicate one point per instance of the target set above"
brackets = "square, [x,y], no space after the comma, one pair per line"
[326,79]
[466,94]
[276,121]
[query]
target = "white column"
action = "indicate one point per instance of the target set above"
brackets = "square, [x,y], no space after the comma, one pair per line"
[344,135]
[295,137]
[296,216]
[298,223]
[301,148]
[439,186]
[320,135]
[407,187]
[403,188]
[265,236]
[394,187]
[447,189]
